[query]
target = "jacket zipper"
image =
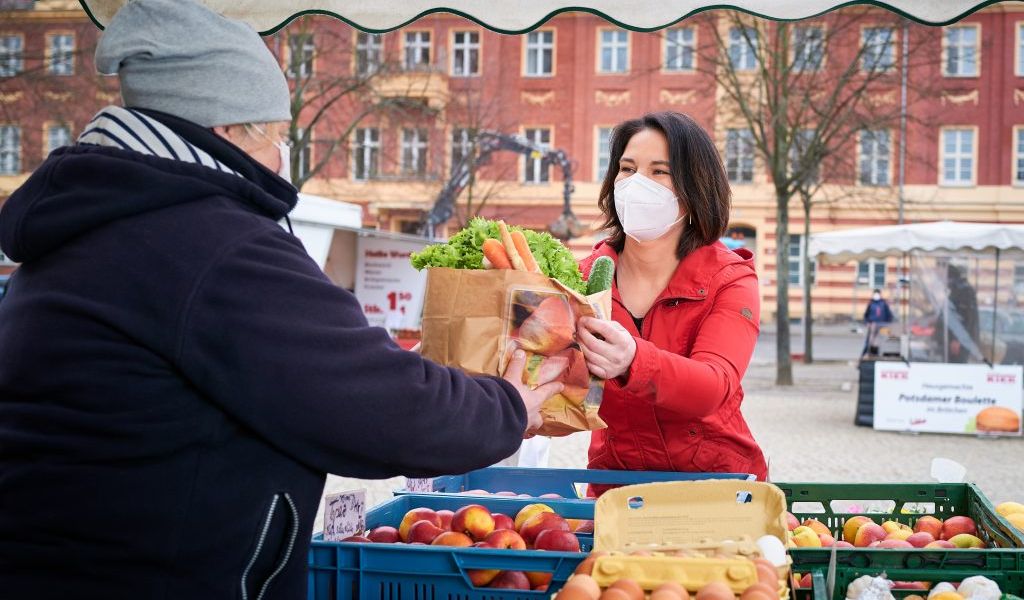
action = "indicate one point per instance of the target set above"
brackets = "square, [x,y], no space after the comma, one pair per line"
[292,536]
[288,551]
[259,545]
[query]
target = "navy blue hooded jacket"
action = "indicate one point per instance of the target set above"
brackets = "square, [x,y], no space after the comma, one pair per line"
[177,376]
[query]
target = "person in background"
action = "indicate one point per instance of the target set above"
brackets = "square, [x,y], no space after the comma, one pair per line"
[177,375]
[876,315]
[685,309]
[964,329]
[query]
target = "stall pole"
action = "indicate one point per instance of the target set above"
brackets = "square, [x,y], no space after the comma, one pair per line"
[995,310]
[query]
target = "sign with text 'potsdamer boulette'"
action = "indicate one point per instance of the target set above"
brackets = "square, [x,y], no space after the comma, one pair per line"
[948,398]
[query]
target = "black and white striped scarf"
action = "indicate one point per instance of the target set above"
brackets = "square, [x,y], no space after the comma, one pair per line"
[132,130]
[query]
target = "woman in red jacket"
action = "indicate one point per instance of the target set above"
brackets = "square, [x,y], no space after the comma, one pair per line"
[685,308]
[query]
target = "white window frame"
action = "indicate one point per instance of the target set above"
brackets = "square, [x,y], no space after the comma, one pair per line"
[1017,156]
[10,149]
[743,48]
[966,54]
[50,129]
[414,143]
[619,44]
[463,52]
[876,272]
[533,173]
[368,149]
[1019,48]
[537,48]
[418,46]
[739,152]
[887,53]
[958,156]
[804,59]
[602,150]
[12,54]
[369,55]
[875,158]
[797,240]
[677,48]
[461,146]
[307,51]
[305,153]
[60,56]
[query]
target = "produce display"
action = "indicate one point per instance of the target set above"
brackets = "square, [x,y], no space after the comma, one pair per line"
[880,588]
[1013,512]
[861,532]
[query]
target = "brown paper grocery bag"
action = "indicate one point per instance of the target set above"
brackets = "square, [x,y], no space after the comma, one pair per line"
[474,319]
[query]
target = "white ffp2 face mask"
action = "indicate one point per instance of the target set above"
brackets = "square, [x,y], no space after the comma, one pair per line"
[646,209]
[285,171]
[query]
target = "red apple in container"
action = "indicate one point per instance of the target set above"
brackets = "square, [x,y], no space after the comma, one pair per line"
[446,519]
[557,540]
[541,522]
[414,516]
[955,526]
[506,539]
[424,532]
[473,520]
[511,580]
[384,535]
[503,521]
[920,539]
[452,538]
[929,524]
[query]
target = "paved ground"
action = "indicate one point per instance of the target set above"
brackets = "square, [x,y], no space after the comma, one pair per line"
[808,434]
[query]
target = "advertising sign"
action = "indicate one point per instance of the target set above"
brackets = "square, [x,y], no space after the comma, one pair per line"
[948,398]
[388,287]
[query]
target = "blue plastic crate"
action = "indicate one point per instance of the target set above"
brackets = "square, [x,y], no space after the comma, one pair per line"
[568,483]
[391,571]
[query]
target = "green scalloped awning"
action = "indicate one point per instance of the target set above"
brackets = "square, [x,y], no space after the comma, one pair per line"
[519,16]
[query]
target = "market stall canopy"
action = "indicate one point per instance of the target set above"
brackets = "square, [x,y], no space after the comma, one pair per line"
[888,240]
[524,15]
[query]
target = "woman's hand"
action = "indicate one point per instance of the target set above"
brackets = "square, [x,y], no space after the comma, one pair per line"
[607,346]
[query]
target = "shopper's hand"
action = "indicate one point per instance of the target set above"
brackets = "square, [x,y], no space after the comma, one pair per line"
[607,346]
[533,399]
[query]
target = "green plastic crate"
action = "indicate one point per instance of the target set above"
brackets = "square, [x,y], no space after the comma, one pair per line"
[1011,583]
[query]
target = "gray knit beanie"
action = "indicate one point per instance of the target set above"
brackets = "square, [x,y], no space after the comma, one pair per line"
[179,57]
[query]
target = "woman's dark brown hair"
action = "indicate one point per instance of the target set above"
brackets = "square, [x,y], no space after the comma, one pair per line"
[697,174]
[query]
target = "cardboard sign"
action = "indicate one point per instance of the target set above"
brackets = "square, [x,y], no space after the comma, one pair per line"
[387,285]
[419,485]
[344,515]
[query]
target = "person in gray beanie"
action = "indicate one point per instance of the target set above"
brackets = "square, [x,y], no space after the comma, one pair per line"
[177,375]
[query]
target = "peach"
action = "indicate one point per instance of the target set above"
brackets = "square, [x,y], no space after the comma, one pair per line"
[502,521]
[539,578]
[920,539]
[852,525]
[805,537]
[452,538]
[586,526]
[817,526]
[557,541]
[482,577]
[414,516]
[540,522]
[941,545]
[954,526]
[844,544]
[890,544]
[891,527]
[929,524]
[473,520]
[966,540]
[791,521]
[900,534]
[868,534]
[384,535]
[510,580]
[446,519]
[528,511]
[827,541]
[505,538]
[552,496]
[424,532]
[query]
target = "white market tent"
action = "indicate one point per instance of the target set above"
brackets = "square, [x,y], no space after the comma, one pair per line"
[523,15]
[893,240]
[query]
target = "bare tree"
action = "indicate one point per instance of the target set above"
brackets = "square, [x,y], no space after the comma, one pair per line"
[795,95]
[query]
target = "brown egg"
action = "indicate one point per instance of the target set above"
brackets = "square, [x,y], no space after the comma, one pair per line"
[716,590]
[767,574]
[615,594]
[587,566]
[665,594]
[759,592]
[630,587]
[674,588]
[575,592]
[585,583]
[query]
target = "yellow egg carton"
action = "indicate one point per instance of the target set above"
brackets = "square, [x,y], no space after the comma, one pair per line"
[692,532]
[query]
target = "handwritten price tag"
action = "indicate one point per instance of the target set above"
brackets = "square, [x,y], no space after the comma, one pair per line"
[344,515]
[419,485]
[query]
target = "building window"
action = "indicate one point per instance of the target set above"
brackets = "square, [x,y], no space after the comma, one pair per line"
[1020,50]
[466,54]
[739,155]
[604,144]
[871,272]
[874,157]
[743,48]
[369,50]
[540,53]
[57,136]
[958,156]
[614,51]
[10,150]
[366,154]
[414,152]
[12,55]
[796,261]
[1018,162]
[808,48]
[879,48]
[961,58]
[680,49]
[798,162]
[461,146]
[1018,276]
[536,171]
[300,55]
[62,54]
[417,50]
[305,153]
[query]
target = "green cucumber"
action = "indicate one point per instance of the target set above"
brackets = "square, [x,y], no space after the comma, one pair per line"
[601,275]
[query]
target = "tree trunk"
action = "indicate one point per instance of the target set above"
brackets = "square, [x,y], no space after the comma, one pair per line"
[808,319]
[783,359]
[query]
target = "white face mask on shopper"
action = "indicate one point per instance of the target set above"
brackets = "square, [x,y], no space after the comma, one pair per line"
[646,209]
[285,172]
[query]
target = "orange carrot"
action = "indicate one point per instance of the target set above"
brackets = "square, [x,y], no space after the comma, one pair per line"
[510,248]
[495,253]
[524,252]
